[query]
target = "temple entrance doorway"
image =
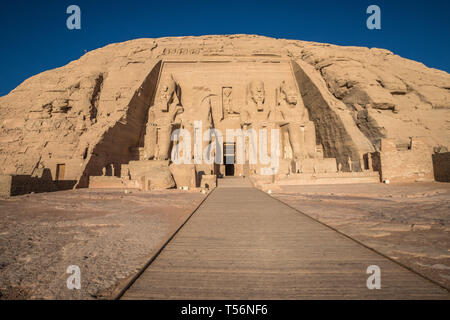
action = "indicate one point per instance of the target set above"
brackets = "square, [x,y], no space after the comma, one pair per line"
[228,158]
[229,169]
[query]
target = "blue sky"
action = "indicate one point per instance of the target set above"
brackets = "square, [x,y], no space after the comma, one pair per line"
[35,38]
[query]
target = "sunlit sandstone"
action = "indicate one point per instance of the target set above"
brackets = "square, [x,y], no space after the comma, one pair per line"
[343,114]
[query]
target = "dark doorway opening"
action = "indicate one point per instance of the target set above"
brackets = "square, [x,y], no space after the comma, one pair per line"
[229,169]
[228,158]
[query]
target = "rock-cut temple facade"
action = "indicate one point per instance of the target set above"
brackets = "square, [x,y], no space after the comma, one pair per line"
[119,117]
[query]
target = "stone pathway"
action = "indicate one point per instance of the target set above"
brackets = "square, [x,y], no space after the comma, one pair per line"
[243,244]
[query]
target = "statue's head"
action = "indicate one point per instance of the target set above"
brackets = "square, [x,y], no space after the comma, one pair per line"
[289,93]
[166,93]
[257,93]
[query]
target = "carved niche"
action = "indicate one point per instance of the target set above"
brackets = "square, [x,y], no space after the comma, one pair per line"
[228,105]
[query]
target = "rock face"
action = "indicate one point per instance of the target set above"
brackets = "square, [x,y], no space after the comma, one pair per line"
[100,110]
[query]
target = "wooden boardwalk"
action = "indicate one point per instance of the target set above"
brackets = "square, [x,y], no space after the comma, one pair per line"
[243,244]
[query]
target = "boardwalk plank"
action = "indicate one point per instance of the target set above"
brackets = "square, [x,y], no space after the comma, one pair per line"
[243,244]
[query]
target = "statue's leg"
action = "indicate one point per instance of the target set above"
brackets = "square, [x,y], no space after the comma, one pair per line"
[206,144]
[296,137]
[277,145]
[190,129]
[310,139]
[150,142]
[164,142]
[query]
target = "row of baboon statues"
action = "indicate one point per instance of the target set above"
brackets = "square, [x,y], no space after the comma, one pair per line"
[168,113]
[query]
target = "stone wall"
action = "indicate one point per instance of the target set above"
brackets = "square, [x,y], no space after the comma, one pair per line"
[412,164]
[441,164]
[40,181]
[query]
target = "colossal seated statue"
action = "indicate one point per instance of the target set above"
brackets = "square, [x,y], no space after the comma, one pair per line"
[292,113]
[161,118]
[202,111]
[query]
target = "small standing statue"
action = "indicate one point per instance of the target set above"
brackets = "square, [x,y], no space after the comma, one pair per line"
[104,171]
[370,162]
[228,106]
[113,170]
[350,165]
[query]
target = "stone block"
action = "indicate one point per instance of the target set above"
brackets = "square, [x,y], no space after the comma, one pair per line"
[441,165]
[101,182]
[5,185]
[155,174]
[413,164]
[184,175]
[208,181]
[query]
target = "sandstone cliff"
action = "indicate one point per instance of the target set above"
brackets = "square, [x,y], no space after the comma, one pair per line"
[95,108]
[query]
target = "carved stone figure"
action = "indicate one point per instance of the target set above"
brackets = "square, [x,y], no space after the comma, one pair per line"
[362,162]
[287,153]
[370,162]
[161,119]
[202,111]
[290,111]
[350,164]
[254,109]
[227,97]
[289,104]
[257,94]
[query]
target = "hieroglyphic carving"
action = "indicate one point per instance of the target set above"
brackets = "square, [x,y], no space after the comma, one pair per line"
[181,51]
[193,51]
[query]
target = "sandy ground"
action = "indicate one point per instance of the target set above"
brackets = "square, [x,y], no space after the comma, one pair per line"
[110,235]
[407,222]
